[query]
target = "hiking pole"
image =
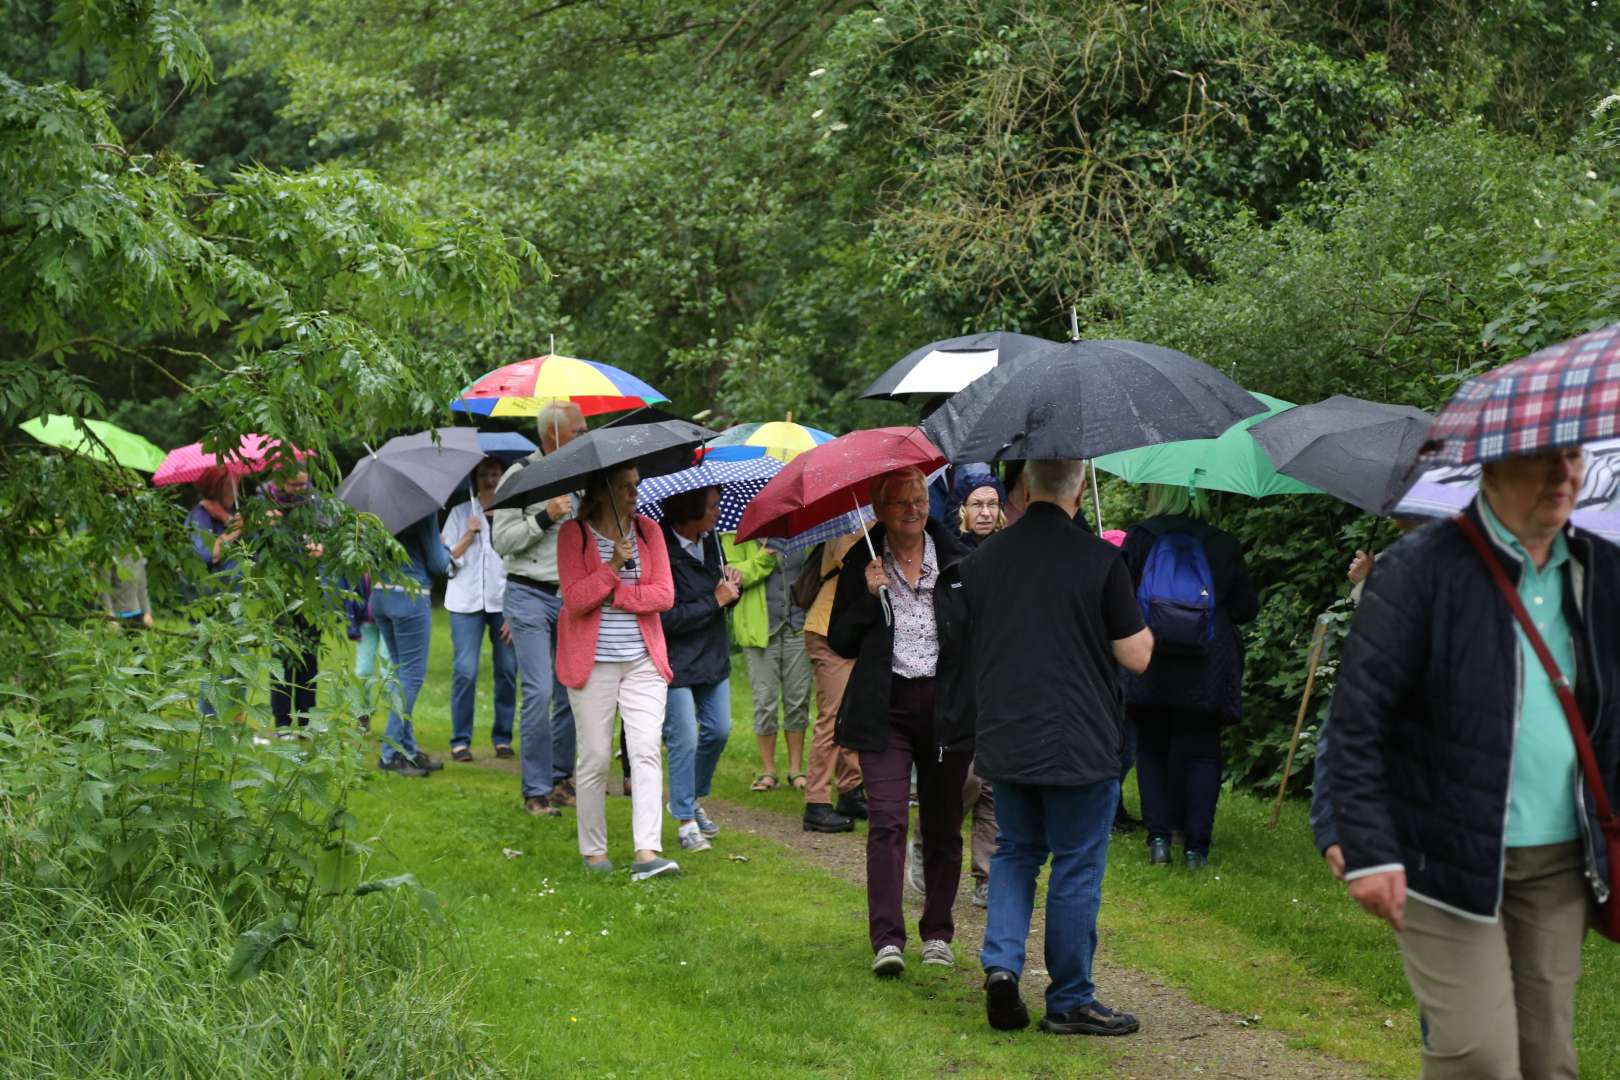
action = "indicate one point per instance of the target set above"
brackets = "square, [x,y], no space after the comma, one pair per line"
[1318,642]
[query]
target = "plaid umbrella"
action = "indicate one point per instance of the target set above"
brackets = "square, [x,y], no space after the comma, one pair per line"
[1564,395]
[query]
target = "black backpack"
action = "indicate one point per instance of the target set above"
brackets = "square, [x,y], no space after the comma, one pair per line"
[807,586]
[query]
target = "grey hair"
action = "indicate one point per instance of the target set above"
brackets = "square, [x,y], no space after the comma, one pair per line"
[909,475]
[1060,479]
[555,414]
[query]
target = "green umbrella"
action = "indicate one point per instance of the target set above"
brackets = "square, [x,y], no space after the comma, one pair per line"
[128,448]
[1232,462]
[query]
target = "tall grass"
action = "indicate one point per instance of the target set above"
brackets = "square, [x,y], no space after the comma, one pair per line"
[92,990]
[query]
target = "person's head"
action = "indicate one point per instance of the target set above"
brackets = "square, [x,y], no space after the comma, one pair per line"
[692,513]
[217,485]
[900,501]
[980,513]
[559,423]
[296,485]
[1171,500]
[1060,481]
[612,491]
[1534,495]
[487,477]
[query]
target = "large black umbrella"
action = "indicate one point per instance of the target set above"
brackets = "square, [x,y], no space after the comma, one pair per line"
[410,477]
[1085,398]
[1357,451]
[944,367]
[655,447]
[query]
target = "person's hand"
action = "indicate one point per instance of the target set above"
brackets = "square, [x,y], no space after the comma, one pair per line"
[1360,567]
[726,592]
[876,579]
[1335,860]
[506,631]
[1383,895]
[475,525]
[623,552]
[146,619]
[233,530]
[733,575]
[560,507]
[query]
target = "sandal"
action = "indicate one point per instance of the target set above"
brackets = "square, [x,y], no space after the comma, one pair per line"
[765,781]
[799,780]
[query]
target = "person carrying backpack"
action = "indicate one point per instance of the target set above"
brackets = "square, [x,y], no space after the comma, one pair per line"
[1194,590]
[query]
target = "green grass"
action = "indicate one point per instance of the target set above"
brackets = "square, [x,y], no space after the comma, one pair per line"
[758,968]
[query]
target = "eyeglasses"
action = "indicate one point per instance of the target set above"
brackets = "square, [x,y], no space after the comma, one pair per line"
[902,504]
[991,505]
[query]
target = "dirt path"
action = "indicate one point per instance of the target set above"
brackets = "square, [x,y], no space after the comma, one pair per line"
[1179,1038]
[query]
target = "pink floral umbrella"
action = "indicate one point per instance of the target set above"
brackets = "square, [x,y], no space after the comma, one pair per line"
[187,464]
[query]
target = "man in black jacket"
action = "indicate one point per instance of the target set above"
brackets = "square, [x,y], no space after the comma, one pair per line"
[1051,612]
[1454,776]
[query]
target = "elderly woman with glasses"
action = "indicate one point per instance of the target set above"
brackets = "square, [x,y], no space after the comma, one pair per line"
[897,618]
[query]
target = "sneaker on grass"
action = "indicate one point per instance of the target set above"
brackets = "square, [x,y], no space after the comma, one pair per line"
[938,953]
[890,960]
[652,868]
[1093,1019]
[400,765]
[692,838]
[705,823]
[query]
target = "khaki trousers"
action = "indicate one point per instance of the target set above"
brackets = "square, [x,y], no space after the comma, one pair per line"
[637,692]
[1499,998]
[978,798]
[826,757]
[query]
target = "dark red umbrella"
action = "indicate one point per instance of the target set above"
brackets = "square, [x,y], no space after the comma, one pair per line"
[833,479]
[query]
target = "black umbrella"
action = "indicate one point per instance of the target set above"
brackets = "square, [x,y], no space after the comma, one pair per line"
[944,367]
[1360,452]
[653,446]
[411,476]
[1085,398]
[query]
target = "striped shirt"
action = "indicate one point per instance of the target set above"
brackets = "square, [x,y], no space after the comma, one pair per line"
[619,640]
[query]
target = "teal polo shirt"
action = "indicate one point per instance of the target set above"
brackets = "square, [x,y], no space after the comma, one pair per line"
[1541,794]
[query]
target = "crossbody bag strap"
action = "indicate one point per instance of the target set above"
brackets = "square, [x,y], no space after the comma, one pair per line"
[1566,695]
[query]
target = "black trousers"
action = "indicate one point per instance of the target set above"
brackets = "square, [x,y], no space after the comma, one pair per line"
[294,693]
[1178,770]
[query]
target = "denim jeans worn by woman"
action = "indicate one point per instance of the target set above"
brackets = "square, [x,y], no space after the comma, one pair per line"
[404,614]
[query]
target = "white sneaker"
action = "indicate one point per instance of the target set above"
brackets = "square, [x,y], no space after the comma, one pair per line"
[939,953]
[692,838]
[889,961]
[705,823]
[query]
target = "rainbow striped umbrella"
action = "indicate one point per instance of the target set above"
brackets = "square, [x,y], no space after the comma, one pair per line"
[780,439]
[526,387]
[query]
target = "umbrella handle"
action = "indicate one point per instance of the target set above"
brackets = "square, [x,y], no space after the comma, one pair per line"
[629,564]
[883,590]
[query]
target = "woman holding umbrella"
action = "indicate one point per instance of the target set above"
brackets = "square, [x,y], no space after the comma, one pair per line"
[611,655]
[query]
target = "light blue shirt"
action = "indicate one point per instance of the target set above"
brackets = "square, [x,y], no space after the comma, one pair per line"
[1541,793]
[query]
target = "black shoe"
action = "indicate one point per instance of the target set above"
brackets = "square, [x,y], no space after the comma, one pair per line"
[1124,823]
[504,750]
[363,723]
[1093,1019]
[427,764]
[1196,860]
[820,817]
[1158,851]
[852,803]
[1001,1001]
[401,765]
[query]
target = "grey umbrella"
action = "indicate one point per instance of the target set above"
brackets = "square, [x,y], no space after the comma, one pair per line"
[655,447]
[410,477]
[1358,451]
[1085,398]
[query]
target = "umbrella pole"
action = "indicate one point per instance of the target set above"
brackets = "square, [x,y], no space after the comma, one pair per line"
[1096,499]
[883,591]
[1318,641]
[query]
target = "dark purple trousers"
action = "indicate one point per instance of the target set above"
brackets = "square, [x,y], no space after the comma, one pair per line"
[939,814]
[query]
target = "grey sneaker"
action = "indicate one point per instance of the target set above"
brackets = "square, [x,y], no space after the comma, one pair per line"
[889,961]
[981,894]
[652,868]
[692,838]
[706,824]
[600,866]
[914,868]
[938,953]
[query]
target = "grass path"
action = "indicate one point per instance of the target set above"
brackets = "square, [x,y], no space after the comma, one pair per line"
[757,968]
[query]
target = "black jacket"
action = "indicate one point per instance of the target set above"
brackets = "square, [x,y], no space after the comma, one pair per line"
[857,632]
[1046,602]
[1425,713]
[1213,683]
[695,628]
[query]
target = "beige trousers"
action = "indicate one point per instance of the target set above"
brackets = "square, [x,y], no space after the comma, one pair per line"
[1499,998]
[826,757]
[979,800]
[636,691]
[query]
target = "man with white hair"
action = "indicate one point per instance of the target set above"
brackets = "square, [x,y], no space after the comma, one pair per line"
[1052,615]
[526,541]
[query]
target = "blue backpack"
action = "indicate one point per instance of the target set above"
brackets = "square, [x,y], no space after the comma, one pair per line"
[1177,594]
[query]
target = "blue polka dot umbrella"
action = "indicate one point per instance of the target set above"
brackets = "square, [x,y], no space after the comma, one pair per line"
[738,481]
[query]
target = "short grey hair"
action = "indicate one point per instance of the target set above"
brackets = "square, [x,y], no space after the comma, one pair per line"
[555,413]
[1060,479]
[908,475]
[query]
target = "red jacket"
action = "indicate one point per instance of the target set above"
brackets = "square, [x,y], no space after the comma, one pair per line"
[588,583]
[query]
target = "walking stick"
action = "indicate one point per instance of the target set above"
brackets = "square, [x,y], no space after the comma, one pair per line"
[1318,642]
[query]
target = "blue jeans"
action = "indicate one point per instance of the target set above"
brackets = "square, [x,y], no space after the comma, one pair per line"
[697,723]
[406,623]
[1071,824]
[467,636]
[546,727]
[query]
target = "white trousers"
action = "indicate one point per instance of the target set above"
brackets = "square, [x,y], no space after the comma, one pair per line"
[636,691]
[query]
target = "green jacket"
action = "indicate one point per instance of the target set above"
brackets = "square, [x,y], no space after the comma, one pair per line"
[750,618]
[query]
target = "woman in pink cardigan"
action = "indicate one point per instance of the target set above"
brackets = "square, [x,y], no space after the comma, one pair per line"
[615,578]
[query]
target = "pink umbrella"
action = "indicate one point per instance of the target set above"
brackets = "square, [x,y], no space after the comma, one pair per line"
[187,464]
